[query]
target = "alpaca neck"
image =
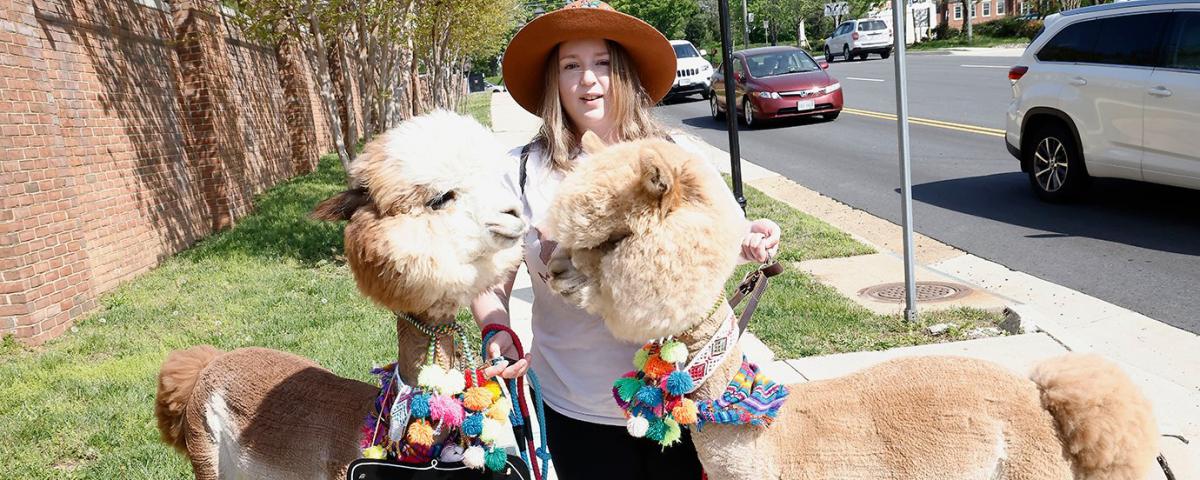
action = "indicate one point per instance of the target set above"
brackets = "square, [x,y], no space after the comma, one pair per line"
[413,346]
[697,338]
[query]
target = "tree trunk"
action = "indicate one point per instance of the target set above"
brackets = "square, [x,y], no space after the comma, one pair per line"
[367,76]
[346,77]
[327,95]
[968,9]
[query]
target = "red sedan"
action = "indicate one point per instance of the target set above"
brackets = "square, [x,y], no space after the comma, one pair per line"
[777,82]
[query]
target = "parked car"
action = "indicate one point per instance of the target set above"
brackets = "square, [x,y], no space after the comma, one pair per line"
[777,82]
[1109,91]
[692,71]
[493,88]
[859,38]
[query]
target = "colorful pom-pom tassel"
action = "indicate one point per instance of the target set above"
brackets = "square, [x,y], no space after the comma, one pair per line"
[496,459]
[494,388]
[656,430]
[491,431]
[420,432]
[376,452]
[474,457]
[639,358]
[674,352]
[657,368]
[453,383]
[477,399]
[678,383]
[637,426]
[419,406]
[650,396]
[446,410]
[499,411]
[627,387]
[686,412]
[431,376]
[473,425]
[672,434]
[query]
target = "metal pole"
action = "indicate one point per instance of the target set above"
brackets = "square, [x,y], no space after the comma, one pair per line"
[735,151]
[745,26]
[899,20]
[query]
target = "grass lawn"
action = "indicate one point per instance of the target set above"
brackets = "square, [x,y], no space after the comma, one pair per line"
[478,105]
[979,41]
[800,317]
[81,406]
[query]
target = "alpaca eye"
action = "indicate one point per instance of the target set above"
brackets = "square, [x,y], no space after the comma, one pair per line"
[440,201]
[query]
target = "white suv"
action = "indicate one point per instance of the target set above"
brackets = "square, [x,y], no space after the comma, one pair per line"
[859,38]
[1109,91]
[693,74]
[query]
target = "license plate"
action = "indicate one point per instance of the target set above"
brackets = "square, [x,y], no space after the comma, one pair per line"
[805,105]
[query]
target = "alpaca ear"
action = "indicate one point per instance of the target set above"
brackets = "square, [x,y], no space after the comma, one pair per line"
[657,176]
[591,143]
[341,206]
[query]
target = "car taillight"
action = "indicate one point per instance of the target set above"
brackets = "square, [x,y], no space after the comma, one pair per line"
[855,36]
[1015,73]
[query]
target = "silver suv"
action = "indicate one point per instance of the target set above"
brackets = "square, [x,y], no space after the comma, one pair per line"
[859,38]
[1109,91]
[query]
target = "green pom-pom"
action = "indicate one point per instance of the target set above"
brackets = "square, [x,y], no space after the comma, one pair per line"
[672,434]
[496,460]
[627,387]
[673,352]
[657,430]
[639,358]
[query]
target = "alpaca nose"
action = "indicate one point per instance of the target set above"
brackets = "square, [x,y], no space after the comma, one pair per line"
[508,224]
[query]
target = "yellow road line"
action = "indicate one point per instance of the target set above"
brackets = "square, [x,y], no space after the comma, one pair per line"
[961,127]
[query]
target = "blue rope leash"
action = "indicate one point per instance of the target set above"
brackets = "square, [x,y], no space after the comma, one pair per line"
[535,388]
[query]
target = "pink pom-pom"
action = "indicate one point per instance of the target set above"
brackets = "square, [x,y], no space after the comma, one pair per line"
[446,409]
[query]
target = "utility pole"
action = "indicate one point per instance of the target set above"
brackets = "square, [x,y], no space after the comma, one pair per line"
[745,26]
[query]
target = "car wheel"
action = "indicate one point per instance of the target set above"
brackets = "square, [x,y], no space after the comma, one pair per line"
[829,117]
[704,94]
[748,113]
[1057,172]
[885,54]
[828,55]
[846,52]
[717,114]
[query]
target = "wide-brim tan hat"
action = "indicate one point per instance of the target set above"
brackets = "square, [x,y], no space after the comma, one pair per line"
[525,59]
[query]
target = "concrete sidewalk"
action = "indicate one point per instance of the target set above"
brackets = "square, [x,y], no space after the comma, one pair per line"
[1162,360]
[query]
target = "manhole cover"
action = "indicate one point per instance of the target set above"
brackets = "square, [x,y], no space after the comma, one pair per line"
[926,292]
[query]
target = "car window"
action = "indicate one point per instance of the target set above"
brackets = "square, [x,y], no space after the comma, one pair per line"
[781,63]
[1183,42]
[685,50]
[871,26]
[737,66]
[1072,44]
[1129,39]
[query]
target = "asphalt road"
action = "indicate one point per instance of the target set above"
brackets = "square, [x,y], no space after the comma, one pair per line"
[1132,244]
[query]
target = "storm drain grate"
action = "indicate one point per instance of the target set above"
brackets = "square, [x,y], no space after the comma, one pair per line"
[926,292]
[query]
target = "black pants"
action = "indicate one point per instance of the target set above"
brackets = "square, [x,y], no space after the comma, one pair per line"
[583,451]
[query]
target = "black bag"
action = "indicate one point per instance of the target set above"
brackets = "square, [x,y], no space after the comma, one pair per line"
[369,469]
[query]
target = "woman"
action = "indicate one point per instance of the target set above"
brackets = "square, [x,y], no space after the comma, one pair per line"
[588,67]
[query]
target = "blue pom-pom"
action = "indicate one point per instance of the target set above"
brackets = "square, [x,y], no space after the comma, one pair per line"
[679,383]
[473,425]
[650,396]
[419,406]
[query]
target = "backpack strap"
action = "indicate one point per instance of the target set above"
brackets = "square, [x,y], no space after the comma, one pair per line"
[524,160]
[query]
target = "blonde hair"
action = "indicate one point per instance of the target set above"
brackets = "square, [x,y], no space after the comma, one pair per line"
[629,102]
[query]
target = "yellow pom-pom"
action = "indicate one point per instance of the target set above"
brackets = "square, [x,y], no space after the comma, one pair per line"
[420,432]
[499,410]
[685,413]
[491,431]
[477,399]
[494,387]
[639,358]
[376,452]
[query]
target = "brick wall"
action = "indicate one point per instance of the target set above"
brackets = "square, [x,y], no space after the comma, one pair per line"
[1012,8]
[128,130]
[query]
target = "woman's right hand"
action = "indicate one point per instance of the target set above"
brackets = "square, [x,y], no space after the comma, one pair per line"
[502,346]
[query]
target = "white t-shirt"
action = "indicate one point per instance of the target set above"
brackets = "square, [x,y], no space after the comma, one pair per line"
[575,357]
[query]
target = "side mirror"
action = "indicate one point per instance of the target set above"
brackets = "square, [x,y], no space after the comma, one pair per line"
[824,64]
[703,53]
[739,77]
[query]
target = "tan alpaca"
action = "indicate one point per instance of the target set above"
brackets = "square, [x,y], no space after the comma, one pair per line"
[641,243]
[429,232]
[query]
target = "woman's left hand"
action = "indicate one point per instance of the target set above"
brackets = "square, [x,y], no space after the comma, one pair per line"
[762,241]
